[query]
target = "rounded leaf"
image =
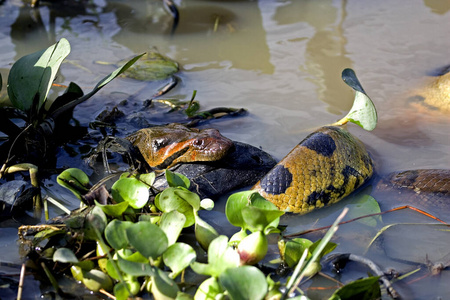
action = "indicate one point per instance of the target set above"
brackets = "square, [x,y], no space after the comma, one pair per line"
[208,290]
[172,223]
[131,190]
[178,257]
[65,255]
[116,233]
[245,282]
[96,280]
[148,239]
[235,203]
[75,180]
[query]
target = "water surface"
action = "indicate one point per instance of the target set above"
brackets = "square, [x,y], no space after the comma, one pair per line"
[281,60]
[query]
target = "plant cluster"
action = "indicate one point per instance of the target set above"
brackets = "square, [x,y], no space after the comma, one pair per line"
[130,246]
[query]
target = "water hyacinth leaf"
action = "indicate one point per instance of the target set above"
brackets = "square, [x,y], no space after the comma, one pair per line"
[74,180]
[364,289]
[235,203]
[220,257]
[178,257]
[365,205]
[131,190]
[111,270]
[363,112]
[257,219]
[135,268]
[176,179]
[96,280]
[65,255]
[113,210]
[95,224]
[163,287]
[204,233]
[172,223]
[116,233]
[246,282]
[192,198]
[148,239]
[148,178]
[31,77]
[208,290]
[152,66]
[294,249]
[121,291]
[169,200]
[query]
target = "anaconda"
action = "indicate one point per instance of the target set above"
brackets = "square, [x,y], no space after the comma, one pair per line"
[324,168]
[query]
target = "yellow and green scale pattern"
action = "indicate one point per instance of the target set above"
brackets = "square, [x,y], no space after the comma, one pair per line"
[325,167]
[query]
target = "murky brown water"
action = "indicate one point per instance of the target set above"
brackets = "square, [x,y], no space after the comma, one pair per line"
[281,60]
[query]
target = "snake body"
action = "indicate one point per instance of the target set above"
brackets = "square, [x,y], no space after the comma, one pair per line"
[324,168]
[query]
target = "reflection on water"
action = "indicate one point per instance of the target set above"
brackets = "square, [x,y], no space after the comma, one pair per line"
[282,60]
[325,52]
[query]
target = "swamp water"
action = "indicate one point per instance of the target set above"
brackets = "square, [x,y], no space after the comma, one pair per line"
[282,61]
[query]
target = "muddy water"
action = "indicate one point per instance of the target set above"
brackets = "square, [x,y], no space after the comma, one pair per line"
[281,60]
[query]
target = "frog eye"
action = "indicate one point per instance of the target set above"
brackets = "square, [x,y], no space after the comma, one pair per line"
[199,142]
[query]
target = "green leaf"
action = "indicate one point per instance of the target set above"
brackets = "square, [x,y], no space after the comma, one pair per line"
[96,280]
[209,290]
[180,200]
[74,180]
[172,223]
[178,257]
[31,77]
[177,179]
[121,291]
[363,112]
[204,233]
[95,224]
[365,205]
[220,257]
[148,239]
[148,178]
[152,66]
[246,282]
[113,210]
[116,233]
[294,250]
[163,287]
[361,289]
[235,203]
[258,219]
[135,268]
[65,255]
[131,190]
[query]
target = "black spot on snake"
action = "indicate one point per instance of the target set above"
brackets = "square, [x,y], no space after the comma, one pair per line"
[321,143]
[277,180]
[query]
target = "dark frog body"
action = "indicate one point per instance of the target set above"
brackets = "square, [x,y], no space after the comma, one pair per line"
[165,146]
[324,168]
